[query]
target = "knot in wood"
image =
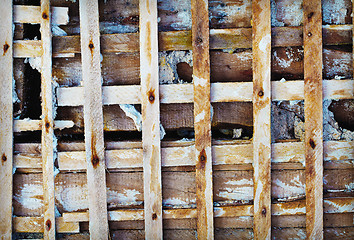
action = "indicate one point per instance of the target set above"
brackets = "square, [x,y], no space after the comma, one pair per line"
[4,158]
[312,144]
[44,15]
[261,93]
[48,225]
[6,47]
[154,216]
[264,212]
[309,34]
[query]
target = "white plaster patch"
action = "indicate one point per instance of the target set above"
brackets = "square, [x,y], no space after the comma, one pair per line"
[200,116]
[240,190]
[295,189]
[264,44]
[72,198]
[31,196]
[36,63]
[199,81]
[132,113]
[128,197]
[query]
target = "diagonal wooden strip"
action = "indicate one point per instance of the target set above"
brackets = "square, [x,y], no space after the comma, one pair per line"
[47,123]
[202,119]
[313,118]
[150,104]
[220,92]
[261,51]
[93,116]
[32,14]
[6,128]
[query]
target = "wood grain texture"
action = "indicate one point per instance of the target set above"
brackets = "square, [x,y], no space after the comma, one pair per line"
[6,128]
[32,14]
[202,119]
[278,209]
[35,224]
[35,125]
[219,92]
[47,123]
[313,118]
[93,116]
[261,51]
[150,104]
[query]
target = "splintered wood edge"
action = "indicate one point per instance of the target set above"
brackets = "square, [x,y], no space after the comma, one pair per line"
[313,115]
[32,14]
[150,104]
[261,62]
[202,119]
[219,39]
[240,154]
[6,121]
[220,92]
[35,224]
[93,118]
[298,207]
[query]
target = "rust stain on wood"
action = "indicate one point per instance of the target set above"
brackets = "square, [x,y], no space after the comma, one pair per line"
[151,95]
[6,47]
[148,42]
[94,157]
[45,15]
[3,157]
[48,225]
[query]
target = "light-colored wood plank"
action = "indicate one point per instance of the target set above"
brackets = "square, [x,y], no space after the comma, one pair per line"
[150,105]
[32,14]
[313,118]
[202,119]
[47,123]
[220,92]
[35,224]
[6,148]
[333,205]
[131,157]
[261,64]
[35,125]
[93,116]
[219,39]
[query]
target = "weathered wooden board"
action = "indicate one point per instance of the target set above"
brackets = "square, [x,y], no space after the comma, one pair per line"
[125,189]
[261,65]
[6,119]
[150,107]
[47,122]
[313,118]
[93,116]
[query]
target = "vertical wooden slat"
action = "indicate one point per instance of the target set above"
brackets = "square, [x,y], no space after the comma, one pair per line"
[150,104]
[202,125]
[47,122]
[261,50]
[6,77]
[313,118]
[93,117]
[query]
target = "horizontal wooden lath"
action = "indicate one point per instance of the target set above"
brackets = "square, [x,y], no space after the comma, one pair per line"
[220,92]
[182,40]
[33,14]
[336,205]
[291,152]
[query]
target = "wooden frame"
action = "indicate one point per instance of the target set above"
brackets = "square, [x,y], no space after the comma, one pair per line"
[253,167]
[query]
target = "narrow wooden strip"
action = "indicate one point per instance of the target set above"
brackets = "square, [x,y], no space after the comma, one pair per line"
[6,128]
[33,48]
[150,105]
[313,118]
[291,152]
[219,39]
[47,123]
[93,116]
[32,14]
[202,119]
[261,63]
[220,92]
[36,125]
[35,224]
[333,205]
